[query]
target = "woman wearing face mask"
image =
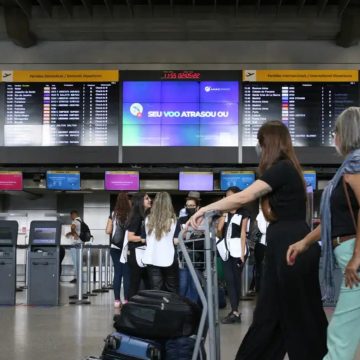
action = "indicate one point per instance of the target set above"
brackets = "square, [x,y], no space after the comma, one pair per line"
[191,207]
[289,316]
[141,204]
[233,227]
[340,236]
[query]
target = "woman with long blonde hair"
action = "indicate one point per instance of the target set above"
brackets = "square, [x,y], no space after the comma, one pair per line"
[161,232]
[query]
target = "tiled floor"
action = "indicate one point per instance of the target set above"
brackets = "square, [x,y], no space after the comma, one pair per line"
[71,332]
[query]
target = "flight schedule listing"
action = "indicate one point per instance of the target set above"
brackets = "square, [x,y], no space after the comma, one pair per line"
[309,110]
[61,114]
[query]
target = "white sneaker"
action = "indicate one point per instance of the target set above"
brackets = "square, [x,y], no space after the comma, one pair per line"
[117,304]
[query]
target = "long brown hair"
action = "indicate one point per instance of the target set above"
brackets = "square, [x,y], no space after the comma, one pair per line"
[162,215]
[122,207]
[275,141]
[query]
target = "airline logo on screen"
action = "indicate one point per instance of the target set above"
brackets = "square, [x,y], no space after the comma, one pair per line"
[210,89]
[137,110]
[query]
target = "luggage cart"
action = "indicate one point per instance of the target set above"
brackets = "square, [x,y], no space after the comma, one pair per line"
[209,298]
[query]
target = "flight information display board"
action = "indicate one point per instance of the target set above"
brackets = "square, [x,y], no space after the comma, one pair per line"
[60,108]
[306,101]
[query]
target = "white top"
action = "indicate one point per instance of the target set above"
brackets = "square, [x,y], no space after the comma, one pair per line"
[77,224]
[113,231]
[262,225]
[159,252]
[234,242]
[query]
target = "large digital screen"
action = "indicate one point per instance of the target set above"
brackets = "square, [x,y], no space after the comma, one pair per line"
[178,113]
[122,180]
[63,180]
[11,180]
[44,236]
[61,108]
[306,101]
[199,181]
[241,179]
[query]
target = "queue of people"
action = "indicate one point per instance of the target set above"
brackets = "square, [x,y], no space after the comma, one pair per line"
[289,315]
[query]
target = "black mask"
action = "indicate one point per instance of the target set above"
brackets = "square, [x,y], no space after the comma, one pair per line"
[190,211]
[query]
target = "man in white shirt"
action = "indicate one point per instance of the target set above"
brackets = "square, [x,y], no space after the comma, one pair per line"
[74,234]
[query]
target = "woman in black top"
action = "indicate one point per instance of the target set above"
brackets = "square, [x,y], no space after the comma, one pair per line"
[340,236]
[289,317]
[119,218]
[141,204]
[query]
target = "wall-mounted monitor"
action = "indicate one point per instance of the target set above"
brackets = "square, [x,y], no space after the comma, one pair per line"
[122,180]
[198,181]
[63,180]
[44,236]
[306,101]
[310,179]
[241,179]
[52,112]
[11,180]
[175,116]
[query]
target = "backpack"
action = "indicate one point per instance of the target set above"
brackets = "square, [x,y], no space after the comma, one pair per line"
[119,235]
[254,235]
[85,234]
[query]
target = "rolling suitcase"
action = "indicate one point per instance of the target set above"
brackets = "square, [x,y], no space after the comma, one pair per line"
[121,346]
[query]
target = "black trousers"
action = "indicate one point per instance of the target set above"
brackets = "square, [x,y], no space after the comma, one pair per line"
[164,278]
[137,274]
[232,272]
[289,317]
[259,254]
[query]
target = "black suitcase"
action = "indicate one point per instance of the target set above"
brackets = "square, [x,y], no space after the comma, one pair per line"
[154,314]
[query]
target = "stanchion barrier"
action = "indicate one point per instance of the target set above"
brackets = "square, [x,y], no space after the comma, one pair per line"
[100,289]
[80,298]
[108,284]
[88,272]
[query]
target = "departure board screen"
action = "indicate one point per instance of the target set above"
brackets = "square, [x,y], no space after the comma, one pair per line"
[308,104]
[66,108]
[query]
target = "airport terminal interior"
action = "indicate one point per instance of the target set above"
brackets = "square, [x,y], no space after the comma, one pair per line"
[102,97]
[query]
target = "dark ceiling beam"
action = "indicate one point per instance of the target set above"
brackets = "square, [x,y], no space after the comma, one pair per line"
[258,5]
[88,6]
[343,4]
[130,6]
[46,6]
[321,5]
[301,4]
[109,6]
[278,6]
[237,3]
[67,5]
[25,6]
[215,5]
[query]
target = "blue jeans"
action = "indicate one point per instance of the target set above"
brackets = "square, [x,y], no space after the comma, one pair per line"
[121,272]
[343,331]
